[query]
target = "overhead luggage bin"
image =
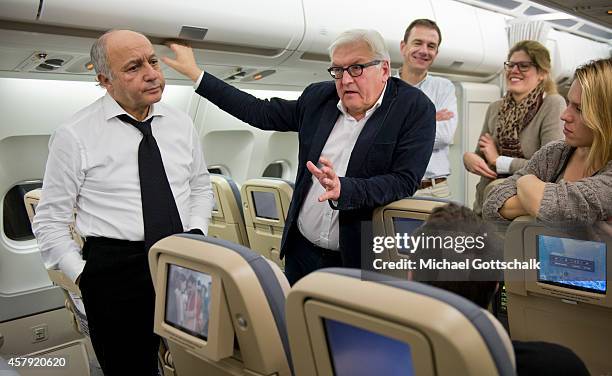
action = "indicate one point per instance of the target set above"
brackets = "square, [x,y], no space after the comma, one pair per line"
[325,21]
[563,49]
[474,41]
[221,35]
[21,10]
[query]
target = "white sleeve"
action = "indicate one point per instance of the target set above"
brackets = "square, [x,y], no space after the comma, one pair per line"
[502,164]
[445,130]
[201,199]
[197,83]
[55,211]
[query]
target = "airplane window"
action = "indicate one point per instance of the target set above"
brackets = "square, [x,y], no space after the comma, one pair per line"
[15,217]
[274,170]
[221,170]
[278,169]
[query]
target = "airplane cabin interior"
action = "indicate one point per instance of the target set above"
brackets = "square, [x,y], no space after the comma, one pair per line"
[249,320]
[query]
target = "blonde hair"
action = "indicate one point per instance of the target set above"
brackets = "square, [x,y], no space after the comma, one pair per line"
[595,78]
[540,56]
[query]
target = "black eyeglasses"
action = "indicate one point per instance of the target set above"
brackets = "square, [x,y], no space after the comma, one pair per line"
[354,70]
[523,66]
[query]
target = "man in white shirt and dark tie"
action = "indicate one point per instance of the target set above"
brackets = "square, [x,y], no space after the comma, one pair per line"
[420,48]
[133,170]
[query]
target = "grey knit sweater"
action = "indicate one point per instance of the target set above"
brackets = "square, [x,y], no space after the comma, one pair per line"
[585,201]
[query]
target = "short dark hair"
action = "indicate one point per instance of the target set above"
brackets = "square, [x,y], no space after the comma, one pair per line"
[479,286]
[425,23]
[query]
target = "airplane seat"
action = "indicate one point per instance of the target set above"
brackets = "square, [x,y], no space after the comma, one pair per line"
[220,307]
[73,302]
[227,220]
[266,204]
[72,293]
[565,299]
[399,217]
[390,326]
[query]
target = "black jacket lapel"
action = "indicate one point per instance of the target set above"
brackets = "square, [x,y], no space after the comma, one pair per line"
[326,124]
[370,130]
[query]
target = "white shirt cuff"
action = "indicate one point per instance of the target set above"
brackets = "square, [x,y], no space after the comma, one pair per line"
[197,83]
[72,265]
[200,223]
[502,164]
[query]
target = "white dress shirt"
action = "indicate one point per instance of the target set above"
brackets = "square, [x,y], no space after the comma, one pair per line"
[93,167]
[441,92]
[317,221]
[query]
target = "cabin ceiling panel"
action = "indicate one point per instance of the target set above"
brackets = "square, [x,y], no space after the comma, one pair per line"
[592,10]
[241,22]
[25,10]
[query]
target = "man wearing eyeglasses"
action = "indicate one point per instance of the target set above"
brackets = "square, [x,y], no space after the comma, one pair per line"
[364,141]
[420,49]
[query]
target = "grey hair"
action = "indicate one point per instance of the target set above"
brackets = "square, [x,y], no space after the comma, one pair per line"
[99,57]
[372,38]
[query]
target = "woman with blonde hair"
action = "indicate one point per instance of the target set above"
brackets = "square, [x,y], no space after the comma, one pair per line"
[520,123]
[570,180]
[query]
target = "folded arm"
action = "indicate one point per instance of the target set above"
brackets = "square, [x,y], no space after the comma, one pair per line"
[585,201]
[502,203]
[446,127]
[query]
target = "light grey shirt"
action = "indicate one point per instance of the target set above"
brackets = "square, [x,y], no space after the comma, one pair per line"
[441,92]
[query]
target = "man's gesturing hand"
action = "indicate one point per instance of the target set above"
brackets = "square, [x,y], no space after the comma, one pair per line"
[327,178]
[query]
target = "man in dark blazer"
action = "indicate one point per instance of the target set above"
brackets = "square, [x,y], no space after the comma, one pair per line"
[370,134]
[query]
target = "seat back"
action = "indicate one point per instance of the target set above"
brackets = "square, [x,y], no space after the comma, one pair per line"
[401,217]
[266,204]
[73,294]
[227,220]
[74,301]
[390,326]
[220,306]
[566,298]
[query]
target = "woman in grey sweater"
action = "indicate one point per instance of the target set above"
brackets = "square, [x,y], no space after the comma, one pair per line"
[571,180]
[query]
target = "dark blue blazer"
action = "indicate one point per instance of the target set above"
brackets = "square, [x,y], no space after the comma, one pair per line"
[386,164]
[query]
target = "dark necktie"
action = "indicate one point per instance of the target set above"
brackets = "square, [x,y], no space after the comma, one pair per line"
[160,214]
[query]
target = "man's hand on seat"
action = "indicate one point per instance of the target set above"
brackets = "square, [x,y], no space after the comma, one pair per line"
[327,178]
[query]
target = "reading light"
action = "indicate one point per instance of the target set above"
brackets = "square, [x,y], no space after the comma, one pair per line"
[259,75]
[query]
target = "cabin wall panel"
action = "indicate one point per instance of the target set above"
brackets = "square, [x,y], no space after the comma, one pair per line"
[473,100]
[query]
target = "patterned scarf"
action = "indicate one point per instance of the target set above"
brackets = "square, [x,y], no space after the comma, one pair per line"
[513,117]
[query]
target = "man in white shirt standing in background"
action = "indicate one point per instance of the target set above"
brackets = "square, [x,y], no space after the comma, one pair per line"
[134,171]
[419,49]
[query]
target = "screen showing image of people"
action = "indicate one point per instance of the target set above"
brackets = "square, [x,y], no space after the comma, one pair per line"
[572,263]
[358,352]
[188,300]
[265,205]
